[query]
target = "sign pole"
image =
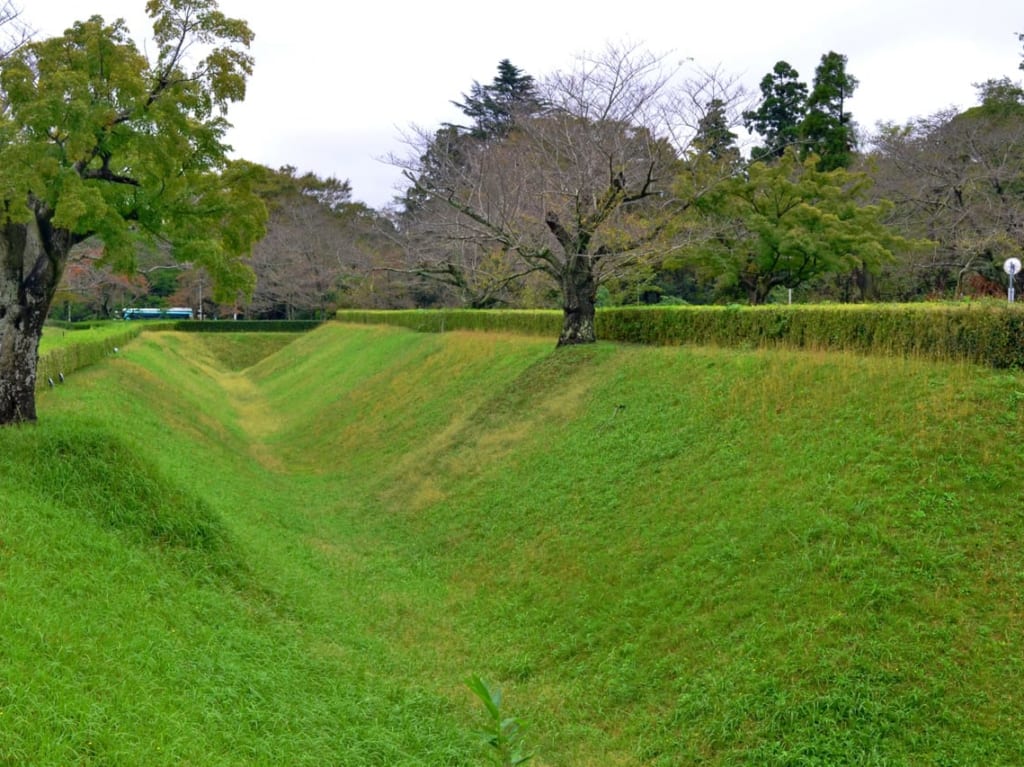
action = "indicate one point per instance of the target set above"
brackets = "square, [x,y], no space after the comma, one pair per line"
[1011,266]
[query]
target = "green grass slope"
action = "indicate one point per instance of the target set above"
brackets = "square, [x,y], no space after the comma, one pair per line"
[252,551]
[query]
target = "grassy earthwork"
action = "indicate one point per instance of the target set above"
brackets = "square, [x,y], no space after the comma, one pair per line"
[239,549]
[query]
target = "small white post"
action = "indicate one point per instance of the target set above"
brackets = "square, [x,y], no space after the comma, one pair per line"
[1011,266]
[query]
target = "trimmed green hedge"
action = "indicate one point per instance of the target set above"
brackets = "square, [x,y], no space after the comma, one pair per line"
[245,326]
[77,355]
[540,322]
[989,333]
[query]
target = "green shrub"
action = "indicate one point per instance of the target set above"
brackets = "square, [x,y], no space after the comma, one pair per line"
[247,326]
[985,333]
[75,353]
[523,321]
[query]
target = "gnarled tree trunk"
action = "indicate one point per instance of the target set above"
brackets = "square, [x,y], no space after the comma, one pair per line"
[579,297]
[32,257]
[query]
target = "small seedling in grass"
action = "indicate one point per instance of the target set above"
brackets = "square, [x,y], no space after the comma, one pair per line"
[504,735]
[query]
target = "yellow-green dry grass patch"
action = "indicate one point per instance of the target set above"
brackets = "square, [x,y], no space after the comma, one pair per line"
[174,371]
[663,556]
[258,422]
[361,396]
[238,351]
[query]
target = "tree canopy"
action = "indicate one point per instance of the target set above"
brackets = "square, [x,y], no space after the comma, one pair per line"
[97,140]
[786,222]
[494,108]
[957,178]
[714,136]
[827,129]
[569,193]
[319,248]
[600,174]
[782,108]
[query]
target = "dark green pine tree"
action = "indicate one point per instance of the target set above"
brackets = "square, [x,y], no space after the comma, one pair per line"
[828,129]
[778,117]
[714,138]
[494,108]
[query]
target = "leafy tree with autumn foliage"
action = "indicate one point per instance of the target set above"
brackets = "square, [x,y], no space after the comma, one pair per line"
[95,139]
[89,289]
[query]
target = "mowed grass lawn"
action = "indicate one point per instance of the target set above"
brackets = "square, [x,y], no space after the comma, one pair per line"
[249,549]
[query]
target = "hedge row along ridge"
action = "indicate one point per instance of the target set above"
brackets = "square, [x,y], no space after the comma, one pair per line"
[985,333]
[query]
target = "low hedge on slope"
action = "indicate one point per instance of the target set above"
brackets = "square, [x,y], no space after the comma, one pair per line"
[989,333]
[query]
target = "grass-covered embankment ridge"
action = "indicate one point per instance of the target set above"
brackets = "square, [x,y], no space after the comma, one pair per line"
[240,550]
[987,332]
[64,350]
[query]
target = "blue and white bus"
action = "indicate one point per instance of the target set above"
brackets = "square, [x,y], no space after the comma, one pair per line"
[174,313]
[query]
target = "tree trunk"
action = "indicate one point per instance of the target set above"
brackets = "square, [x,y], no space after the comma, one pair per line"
[865,283]
[579,297]
[758,288]
[756,292]
[20,330]
[32,256]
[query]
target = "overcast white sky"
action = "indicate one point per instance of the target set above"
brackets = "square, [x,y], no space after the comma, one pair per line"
[336,83]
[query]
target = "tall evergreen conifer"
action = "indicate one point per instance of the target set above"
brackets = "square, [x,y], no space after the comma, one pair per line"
[781,111]
[828,129]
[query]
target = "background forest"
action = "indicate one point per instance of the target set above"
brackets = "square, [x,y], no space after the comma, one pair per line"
[624,181]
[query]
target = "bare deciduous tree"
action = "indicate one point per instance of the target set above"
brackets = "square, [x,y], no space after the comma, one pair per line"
[318,240]
[578,192]
[956,180]
[14,32]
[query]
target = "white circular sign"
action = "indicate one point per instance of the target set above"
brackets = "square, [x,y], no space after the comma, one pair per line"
[1011,266]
